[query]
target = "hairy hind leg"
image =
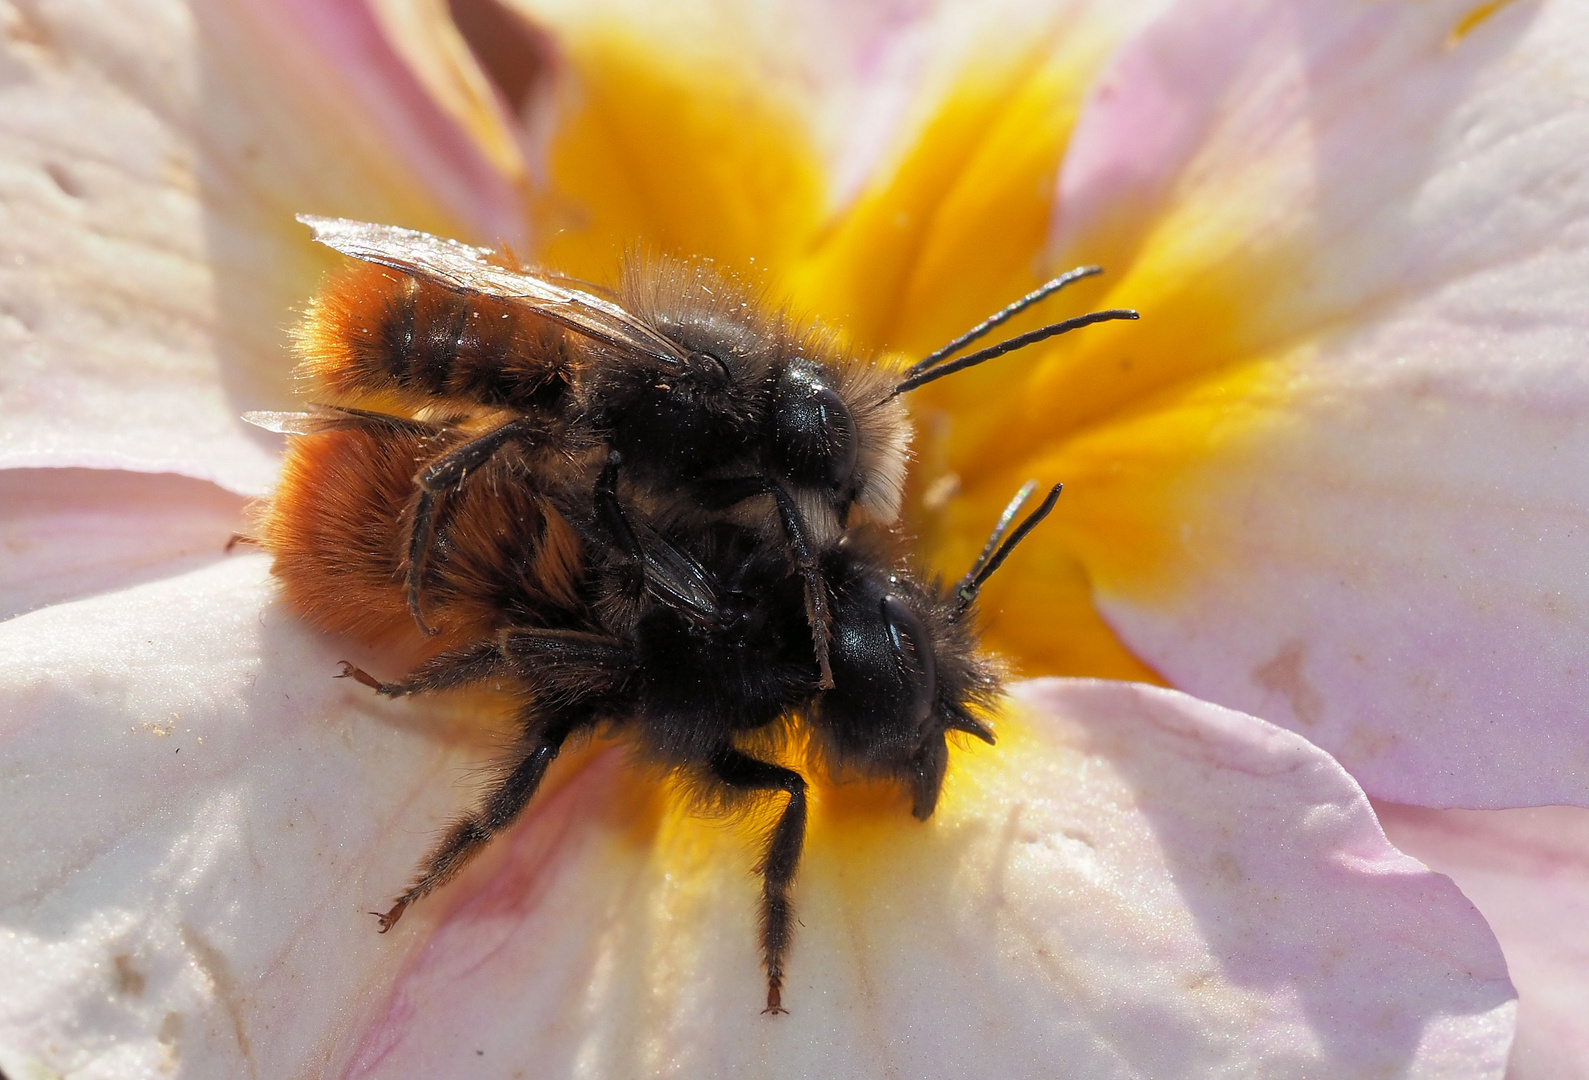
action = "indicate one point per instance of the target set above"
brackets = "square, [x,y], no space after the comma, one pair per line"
[549,663]
[551,660]
[499,809]
[743,772]
[447,473]
[461,667]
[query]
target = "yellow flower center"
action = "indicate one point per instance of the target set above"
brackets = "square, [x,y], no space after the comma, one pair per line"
[685,153]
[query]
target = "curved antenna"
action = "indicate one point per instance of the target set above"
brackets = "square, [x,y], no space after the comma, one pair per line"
[1020,341]
[972,583]
[1003,315]
[1000,527]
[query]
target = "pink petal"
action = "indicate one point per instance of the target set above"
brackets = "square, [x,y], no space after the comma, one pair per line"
[71,533]
[1528,872]
[153,159]
[197,819]
[1132,883]
[1366,228]
[1146,885]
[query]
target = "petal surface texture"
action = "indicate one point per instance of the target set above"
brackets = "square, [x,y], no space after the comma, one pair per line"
[208,815]
[151,160]
[1131,883]
[71,533]
[1334,476]
[1083,902]
[1527,870]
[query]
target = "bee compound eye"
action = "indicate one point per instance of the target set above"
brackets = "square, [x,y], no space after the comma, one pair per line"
[838,428]
[913,652]
[815,434]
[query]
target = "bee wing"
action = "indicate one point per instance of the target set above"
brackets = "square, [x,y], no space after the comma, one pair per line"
[676,579]
[283,423]
[329,418]
[466,269]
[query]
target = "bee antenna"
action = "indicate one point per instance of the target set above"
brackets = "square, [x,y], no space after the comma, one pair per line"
[1003,315]
[1020,341]
[986,564]
[1000,527]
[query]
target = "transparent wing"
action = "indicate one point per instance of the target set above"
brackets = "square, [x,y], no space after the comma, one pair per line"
[330,418]
[466,269]
[284,423]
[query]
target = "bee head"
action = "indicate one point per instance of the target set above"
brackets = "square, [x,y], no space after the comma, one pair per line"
[906,669]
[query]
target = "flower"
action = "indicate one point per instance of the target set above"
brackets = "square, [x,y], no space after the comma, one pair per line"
[1133,880]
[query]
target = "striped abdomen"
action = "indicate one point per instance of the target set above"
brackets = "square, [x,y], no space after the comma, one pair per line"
[377,339]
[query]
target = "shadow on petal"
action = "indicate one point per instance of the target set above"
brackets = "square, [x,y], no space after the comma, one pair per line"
[1295,892]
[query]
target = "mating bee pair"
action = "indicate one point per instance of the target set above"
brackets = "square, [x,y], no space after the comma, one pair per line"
[662,511]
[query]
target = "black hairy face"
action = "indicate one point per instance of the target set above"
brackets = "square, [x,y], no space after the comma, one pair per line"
[905,668]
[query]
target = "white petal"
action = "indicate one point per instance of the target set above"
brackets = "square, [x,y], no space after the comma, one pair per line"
[198,817]
[71,533]
[151,161]
[1528,872]
[1132,883]
[1359,237]
[1140,885]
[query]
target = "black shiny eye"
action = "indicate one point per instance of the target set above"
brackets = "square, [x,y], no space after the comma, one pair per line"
[913,652]
[814,437]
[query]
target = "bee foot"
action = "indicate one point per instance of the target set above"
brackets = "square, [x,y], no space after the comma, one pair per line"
[364,678]
[389,920]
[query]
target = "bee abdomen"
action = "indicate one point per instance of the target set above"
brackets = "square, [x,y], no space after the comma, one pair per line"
[333,525]
[376,338]
[337,527]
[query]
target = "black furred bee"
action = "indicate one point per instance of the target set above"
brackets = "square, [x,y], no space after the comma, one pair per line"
[680,383]
[635,509]
[721,653]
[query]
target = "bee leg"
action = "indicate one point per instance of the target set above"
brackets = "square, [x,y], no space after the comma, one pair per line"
[612,516]
[568,665]
[434,481]
[745,773]
[499,809]
[461,667]
[816,587]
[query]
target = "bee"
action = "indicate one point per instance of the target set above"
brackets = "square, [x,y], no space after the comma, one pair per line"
[662,512]
[681,383]
[530,593]
[687,683]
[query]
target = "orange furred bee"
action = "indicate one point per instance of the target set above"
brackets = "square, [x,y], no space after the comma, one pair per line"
[634,508]
[688,382]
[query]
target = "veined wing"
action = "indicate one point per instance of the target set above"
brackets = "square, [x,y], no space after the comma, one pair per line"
[332,418]
[676,579]
[463,268]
